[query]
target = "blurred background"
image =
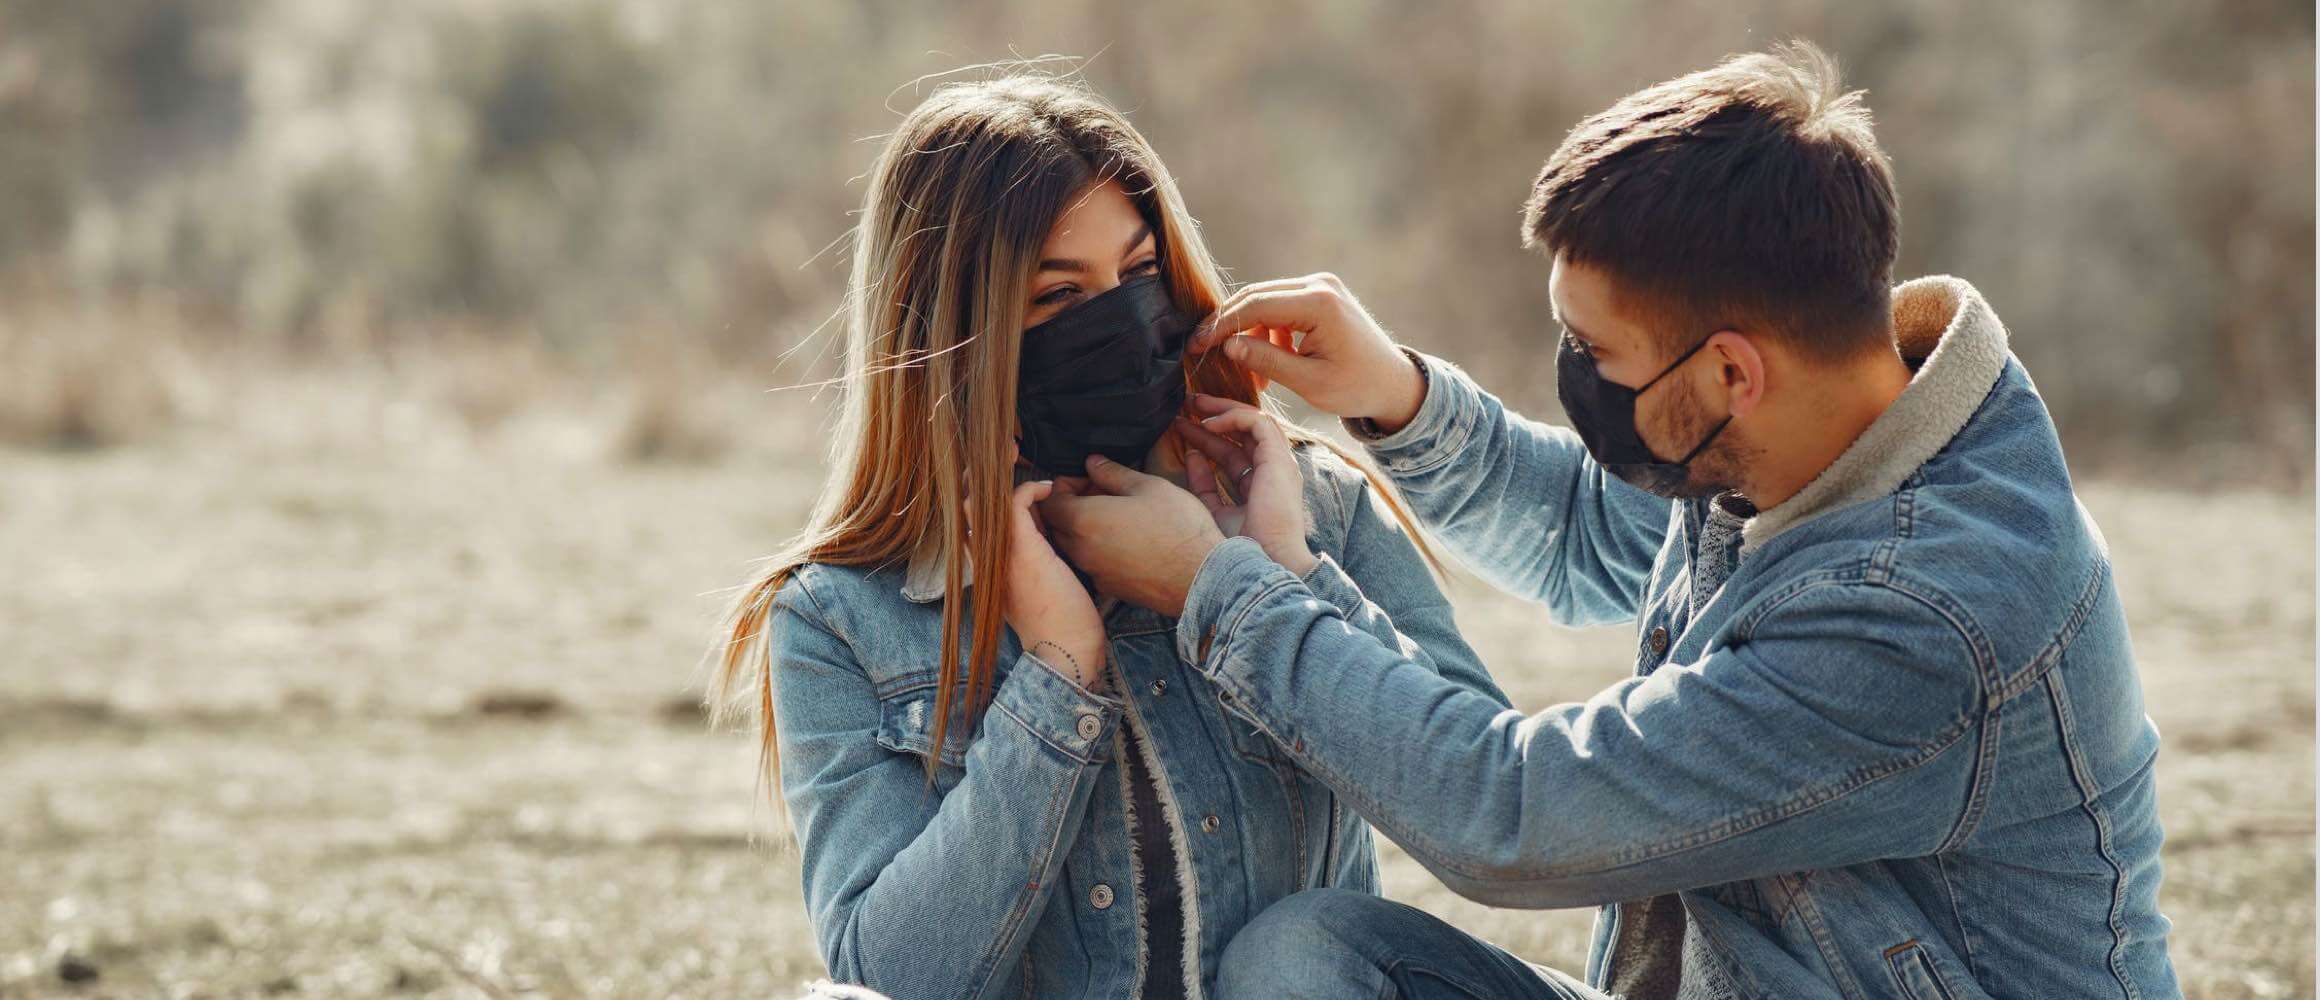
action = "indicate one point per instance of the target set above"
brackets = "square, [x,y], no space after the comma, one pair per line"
[384,410]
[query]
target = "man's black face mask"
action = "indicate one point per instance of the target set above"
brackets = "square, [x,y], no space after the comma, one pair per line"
[1102,377]
[1604,415]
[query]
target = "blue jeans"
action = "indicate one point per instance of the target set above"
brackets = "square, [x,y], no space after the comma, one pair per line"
[1338,943]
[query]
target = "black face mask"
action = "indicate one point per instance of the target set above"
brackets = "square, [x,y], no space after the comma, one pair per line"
[1103,377]
[1604,415]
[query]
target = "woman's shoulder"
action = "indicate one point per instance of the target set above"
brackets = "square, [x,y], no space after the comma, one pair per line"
[858,613]
[833,594]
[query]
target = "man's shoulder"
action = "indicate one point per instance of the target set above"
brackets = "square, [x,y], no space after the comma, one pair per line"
[1987,533]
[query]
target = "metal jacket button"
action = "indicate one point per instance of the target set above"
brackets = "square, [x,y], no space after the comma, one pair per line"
[1209,823]
[1101,896]
[1159,687]
[1089,726]
[1658,639]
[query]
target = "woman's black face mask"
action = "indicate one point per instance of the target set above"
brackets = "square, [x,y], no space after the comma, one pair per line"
[1604,415]
[1102,377]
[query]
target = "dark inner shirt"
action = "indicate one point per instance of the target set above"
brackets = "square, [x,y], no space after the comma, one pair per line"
[1159,889]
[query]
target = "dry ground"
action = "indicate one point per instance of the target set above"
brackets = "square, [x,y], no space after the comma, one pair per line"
[367,704]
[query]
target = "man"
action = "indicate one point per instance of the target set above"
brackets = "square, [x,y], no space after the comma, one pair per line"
[1884,737]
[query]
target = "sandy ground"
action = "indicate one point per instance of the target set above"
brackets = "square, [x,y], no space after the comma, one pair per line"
[311,714]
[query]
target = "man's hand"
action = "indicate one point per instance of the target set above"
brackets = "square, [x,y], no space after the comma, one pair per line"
[1140,537]
[1240,444]
[1310,335]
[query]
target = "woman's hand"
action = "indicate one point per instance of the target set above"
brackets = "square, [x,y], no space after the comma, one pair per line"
[1241,444]
[1052,615]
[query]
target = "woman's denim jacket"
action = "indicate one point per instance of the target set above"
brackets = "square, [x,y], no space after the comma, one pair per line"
[1012,875]
[1884,739]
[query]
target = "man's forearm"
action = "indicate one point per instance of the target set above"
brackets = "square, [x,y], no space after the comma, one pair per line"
[1688,777]
[1519,501]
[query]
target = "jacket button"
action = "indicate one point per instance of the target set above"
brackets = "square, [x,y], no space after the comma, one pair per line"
[1101,896]
[1209,823]
[1658,639]
[1159,687]
[1089,726]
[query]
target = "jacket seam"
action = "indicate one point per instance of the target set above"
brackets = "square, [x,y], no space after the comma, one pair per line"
[2080,776]
[1809,911]
[1985,778]
[1985,711]
[988,966]
[1965,930]
[1744,624]
[821,616]
[2050,655]
[1985,658]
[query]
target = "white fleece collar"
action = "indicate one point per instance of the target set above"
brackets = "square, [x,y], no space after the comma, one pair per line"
[1943,325]
[922,579]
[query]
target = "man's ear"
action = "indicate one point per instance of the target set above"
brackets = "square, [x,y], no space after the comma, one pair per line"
[1739,369]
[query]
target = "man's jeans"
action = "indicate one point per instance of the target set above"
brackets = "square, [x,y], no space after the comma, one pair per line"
[1338,943]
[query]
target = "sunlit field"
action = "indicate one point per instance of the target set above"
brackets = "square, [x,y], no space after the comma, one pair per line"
[351,696]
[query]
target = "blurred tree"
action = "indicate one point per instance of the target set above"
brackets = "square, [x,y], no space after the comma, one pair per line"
[2131,184]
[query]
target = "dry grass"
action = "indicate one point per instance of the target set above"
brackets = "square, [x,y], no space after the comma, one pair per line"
[359,695]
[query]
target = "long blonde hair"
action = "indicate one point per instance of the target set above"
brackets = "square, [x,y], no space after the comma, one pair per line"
[960,202]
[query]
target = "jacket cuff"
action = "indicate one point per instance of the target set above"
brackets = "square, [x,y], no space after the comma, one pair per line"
[1234,576]
[1073,720]
[1440,430]
[1329,582]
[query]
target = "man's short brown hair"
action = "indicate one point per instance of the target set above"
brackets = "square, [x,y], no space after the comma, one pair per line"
[1750,195]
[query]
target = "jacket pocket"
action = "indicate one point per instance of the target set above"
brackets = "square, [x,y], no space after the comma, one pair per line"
[1915,975]
[906,725]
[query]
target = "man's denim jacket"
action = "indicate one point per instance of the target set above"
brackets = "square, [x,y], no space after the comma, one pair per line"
[1883,740]
[1012,873]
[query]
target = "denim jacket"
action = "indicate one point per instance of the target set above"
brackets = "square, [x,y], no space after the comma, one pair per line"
[1884,739]
[1012,875]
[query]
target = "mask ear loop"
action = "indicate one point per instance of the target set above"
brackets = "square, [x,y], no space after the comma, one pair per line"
[1704,443]
[1673,365]
[1686,461]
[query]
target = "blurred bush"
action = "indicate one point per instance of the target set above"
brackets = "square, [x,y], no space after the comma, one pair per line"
[2129,183]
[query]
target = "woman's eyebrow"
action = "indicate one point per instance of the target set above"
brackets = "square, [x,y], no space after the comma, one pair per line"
[1079,267]
[1142,233]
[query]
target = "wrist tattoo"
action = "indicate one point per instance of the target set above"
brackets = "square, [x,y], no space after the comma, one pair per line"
[1076,669]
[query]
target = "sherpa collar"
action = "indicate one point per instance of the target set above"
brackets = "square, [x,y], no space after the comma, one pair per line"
[922,579]
[1944,327]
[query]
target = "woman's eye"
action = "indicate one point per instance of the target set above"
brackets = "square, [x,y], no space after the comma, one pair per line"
[1054,295]
[1150,266]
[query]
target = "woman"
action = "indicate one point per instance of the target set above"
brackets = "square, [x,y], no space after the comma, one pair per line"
[1000,784]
